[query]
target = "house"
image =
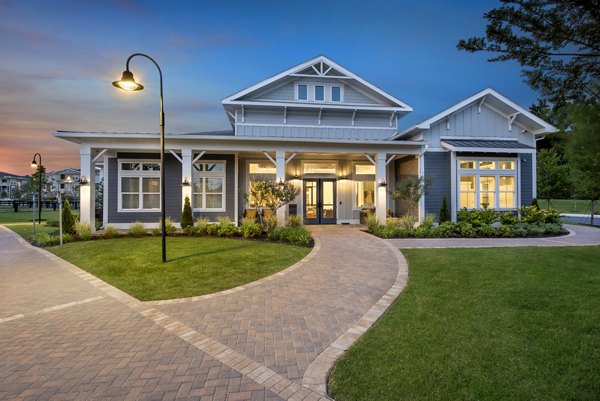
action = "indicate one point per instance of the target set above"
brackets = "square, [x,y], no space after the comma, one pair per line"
[11,184]
[334,136]
[65,181]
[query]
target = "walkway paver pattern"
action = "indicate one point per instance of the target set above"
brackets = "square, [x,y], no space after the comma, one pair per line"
[66,335]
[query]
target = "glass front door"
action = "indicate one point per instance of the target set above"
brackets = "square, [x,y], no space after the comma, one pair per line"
[319,201]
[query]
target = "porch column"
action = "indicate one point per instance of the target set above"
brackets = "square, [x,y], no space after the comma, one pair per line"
[453,183]
[87,193]
[106,159]
[381,191]
[421,173]
[279,177]
[186,173]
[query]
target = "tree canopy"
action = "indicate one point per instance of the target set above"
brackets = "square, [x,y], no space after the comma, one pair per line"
[556,41]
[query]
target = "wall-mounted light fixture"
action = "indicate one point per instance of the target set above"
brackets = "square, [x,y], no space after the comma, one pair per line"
[296,177]
[281,183]
[83,180]
[383,183]
[185,182]
[343,177]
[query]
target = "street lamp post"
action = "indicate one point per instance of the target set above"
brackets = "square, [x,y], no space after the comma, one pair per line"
[128,83]
[35,164]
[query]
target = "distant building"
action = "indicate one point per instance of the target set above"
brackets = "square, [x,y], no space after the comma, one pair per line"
[11,183]
[65,181]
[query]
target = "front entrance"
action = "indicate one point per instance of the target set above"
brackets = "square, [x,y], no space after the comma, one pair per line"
[319,201]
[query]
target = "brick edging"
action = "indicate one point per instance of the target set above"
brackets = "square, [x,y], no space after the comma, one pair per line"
[317,372]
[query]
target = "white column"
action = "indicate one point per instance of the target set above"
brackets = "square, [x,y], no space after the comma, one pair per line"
[87,194]
[186,173]
[280,176]
[421,173]
[533,176]
[380,191]
[106,192]
[453,183]
[235,188]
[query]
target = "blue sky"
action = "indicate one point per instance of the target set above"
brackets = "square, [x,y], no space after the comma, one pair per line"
[58,59]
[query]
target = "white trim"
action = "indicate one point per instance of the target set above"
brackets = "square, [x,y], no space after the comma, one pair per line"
[518,183]
[453,179]
[477,138]
[312,105]
[319,175]
[195,159]
[204,175]
[533,175]
[486,150]
[230,99]
[236,189]
[270,158]
[105,188]
[176,156]
[354,181]
[140,175]
[421,173]
[103,151]
[316,126]
[370,159]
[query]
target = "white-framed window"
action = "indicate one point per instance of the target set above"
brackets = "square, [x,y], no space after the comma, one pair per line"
[486,181]
[364,169]
[319,167]
[261,168]
[208,186]
[327,93]
[139,186]
[364,194]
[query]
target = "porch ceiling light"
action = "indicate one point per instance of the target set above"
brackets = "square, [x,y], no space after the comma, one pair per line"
[127,82]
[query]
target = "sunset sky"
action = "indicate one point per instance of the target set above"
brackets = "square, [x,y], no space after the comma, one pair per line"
[58,59]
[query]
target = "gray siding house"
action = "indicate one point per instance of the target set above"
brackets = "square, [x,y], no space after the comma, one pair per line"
[331,134]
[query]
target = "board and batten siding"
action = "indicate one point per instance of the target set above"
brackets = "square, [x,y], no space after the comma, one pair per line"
[437,166]
[469,123]
[526,179]
[172,193]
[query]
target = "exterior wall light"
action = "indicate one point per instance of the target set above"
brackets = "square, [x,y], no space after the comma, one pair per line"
[83,180]
[281,183]
[185,182]
[383,183]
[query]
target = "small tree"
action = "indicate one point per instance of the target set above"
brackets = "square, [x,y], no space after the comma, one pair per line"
[68,220]
[552,176]
[270,194]
[187,218]
[444,212]
[411,190]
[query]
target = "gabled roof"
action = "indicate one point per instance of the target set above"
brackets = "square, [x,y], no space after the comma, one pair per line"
[496,102]
[319,66]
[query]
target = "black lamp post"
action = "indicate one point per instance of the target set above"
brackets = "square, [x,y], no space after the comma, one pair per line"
[128,83]
[35,164]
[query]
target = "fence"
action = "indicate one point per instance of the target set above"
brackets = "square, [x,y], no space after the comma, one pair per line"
[7,206]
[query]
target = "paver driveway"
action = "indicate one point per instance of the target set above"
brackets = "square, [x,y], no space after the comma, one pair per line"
[65,335]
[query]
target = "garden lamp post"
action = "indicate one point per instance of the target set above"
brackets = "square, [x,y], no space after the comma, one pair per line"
[37,165]
[128,83]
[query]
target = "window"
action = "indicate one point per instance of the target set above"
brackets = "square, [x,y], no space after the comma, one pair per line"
[362,169]
[365,193]
[485,182]
[320,168]
[208,186]
[261,168]
[302,92]
[336,94]
[319,93]
[139,186]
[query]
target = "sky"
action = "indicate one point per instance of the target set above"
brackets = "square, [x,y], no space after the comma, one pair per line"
[59,58]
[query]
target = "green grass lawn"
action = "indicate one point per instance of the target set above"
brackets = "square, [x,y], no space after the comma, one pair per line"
[568,205]
[195,266]
[484,324]
[22,224]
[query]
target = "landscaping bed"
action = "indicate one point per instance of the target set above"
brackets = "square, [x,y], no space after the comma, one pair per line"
[530,221]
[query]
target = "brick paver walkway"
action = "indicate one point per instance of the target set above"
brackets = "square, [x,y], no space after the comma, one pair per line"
[65,335]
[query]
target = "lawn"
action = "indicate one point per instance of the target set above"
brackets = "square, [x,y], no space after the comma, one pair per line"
[22,224]
[568,205]
[195,266]
[484,324]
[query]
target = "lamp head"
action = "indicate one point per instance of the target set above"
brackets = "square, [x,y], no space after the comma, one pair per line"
[33,164]
[127,82]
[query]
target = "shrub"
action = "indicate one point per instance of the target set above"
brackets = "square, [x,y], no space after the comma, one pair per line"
[506,231]
[392,221]
[42,239]
[486,230]
[532,214]
[534,202]
[84,231]
[423,231]
[137,229]
[465,229]
[202,225]
[408,221]
[536,229]
[190,230]
[478,217]
[295,221]
[428,220]
[187,218]
[444,230]
[170,229]
[292,235]
[251,229]
[269,224]
[66,238]
[444,211]
[111,232]
[389,231]
[68,220]
[520,230]
[372,222]
[225,227]
[509,218]
[212,229]
[157,231]
[52,223]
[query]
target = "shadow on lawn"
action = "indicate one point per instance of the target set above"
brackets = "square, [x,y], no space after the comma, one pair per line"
[211,252]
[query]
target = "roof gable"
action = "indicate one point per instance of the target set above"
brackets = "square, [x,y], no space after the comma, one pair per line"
[318,67]
[496,102]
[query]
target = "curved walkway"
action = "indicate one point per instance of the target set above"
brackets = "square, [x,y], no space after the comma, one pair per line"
[578,236]
[65,334]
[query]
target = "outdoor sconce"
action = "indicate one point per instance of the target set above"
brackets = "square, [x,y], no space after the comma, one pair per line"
[83,180]
[296,177]
[383,183]
[185,182]
[281,183]
[343,177]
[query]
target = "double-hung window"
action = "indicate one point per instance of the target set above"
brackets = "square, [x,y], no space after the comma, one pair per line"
[487,183]
[208,186]
[139,186]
